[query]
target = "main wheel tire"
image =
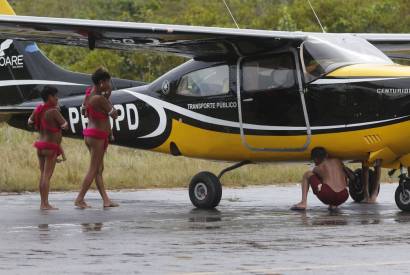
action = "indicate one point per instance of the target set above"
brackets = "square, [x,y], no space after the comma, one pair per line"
[402,197]
[356,186]
[205,190]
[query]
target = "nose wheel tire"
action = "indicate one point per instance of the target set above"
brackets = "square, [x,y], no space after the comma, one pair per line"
[205,190]
[402,196]
[356,189]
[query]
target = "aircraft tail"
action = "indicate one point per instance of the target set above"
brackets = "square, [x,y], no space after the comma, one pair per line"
[24,69]
[5,8]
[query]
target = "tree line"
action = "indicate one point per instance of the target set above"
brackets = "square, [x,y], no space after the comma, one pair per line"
[391,16]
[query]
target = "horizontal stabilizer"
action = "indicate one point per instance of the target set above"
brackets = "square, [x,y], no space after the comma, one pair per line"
[6,112]
[12,110]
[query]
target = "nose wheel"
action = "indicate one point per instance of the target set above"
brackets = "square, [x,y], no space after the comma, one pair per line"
[205,190]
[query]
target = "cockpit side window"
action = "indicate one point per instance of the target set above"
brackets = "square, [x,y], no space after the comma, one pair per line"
[206,82]
[273,72]
[312,67]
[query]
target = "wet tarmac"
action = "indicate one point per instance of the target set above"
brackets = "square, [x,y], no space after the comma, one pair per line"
[159,232]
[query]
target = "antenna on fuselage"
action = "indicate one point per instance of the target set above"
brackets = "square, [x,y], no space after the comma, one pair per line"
[317,18]
[230,12]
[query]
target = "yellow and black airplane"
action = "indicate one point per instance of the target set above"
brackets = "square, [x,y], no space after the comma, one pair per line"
[244,96]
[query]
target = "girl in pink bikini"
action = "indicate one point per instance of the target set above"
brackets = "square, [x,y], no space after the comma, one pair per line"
[98,109]
[48,120]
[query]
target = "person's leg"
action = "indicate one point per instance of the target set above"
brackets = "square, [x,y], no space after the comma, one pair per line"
[305,188]
[41,161]
[376,181]
[365,181]
[49,164]
[101,188]
[97,154]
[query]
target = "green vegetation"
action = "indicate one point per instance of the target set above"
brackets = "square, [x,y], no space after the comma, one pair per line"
[127,168]
[292,15]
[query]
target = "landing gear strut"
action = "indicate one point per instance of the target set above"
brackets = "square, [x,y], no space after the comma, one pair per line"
[402,194]
[205,189]
[356,186]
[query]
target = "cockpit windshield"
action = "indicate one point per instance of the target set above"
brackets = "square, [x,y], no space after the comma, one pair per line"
[322,54]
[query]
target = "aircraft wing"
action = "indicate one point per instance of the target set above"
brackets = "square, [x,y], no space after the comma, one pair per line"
[394,45]
[189,41]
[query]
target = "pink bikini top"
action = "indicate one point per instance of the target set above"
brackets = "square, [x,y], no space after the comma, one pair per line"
[40,122]
[92,113]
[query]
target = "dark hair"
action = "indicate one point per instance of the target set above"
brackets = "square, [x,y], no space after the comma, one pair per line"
[47,91]
[99,75]
[318,153]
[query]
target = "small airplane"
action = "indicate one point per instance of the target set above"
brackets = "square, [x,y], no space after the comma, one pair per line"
[245,96]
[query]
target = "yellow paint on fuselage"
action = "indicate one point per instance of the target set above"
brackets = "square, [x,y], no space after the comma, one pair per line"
[352,145]
[372,70]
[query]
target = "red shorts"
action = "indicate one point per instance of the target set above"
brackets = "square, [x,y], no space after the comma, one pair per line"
[326,194]
[97,134]
[43,145]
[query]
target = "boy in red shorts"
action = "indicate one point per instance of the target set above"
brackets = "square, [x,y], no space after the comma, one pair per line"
[328,181]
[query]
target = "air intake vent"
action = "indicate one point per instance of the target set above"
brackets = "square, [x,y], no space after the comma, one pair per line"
[372,139]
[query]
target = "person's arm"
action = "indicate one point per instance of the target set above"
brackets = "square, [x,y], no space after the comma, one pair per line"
[63,157]
[110,110]
[59,119]
[30,121]
[107,107]
[318,170]
[112,139]
[348,172]
[83,108]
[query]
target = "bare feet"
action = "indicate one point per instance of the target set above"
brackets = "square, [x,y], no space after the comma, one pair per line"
[332,207]
[299,207]
[81,204]
[111,204]
[371,200]
[48,207]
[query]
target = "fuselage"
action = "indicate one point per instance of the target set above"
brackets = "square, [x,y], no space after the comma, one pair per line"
[353,110]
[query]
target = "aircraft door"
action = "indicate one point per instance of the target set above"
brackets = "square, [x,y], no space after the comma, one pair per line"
[271,102]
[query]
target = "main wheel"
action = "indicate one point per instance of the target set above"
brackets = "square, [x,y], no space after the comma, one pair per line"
[356,186]
[402,196]
[205,190]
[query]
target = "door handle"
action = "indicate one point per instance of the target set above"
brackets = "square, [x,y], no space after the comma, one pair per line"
[248,99]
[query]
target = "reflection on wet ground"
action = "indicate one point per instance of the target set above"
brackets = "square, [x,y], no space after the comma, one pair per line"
[158,232]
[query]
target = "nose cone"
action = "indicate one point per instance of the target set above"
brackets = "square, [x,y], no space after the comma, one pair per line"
[371,70]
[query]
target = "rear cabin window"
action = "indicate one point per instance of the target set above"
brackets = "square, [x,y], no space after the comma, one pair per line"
[205,82]
[272,72]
